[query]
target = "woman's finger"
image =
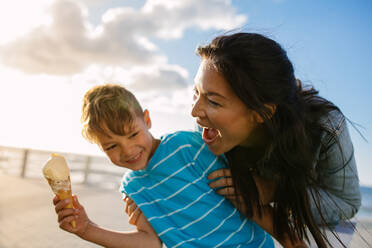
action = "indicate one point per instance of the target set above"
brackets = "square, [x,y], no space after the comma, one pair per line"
[222,182]
[128,201]
[219,173]
[133,218]
[131,208]
[226,192]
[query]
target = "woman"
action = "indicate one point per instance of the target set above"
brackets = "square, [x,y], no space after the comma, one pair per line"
[288,149]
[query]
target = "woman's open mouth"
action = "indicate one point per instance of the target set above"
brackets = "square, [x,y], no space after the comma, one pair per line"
[209,135]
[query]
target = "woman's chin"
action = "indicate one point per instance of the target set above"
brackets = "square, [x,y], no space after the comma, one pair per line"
[216,148]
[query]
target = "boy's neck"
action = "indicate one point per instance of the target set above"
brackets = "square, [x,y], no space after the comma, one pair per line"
[155,144]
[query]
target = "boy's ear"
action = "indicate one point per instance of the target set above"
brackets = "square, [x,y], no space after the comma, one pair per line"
[146,118]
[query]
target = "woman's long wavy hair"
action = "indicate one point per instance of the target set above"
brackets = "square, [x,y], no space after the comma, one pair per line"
[260,73]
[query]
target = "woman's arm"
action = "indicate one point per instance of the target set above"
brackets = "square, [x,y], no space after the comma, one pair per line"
[340,197]
[87,230]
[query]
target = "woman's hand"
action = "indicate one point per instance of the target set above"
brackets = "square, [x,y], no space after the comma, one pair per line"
[137,218]
[223,184]
[67,215]
[132,211]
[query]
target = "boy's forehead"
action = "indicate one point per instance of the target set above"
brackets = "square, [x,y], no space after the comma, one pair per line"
[125,128]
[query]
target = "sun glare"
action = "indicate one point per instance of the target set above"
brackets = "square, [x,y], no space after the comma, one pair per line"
[17,17]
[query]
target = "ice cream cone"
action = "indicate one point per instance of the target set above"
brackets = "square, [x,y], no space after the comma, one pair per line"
[57,174]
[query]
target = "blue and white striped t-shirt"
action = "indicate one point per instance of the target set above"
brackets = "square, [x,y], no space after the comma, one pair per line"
[174,195]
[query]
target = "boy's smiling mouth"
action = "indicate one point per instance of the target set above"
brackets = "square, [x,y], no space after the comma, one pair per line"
[135,159]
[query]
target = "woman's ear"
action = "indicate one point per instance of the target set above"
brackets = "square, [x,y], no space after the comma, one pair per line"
[146,118]
[271,111]
[271,108]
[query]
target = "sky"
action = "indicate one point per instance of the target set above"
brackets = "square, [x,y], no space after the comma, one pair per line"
[53,51]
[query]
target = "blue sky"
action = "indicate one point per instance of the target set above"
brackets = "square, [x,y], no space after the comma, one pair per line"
[47,64]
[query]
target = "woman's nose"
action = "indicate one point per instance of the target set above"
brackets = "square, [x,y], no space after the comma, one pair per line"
[197,110]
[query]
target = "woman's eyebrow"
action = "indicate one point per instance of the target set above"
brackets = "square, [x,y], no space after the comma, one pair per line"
[209,93]
[212,93]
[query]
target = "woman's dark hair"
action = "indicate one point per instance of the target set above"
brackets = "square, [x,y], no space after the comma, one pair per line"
[261,75]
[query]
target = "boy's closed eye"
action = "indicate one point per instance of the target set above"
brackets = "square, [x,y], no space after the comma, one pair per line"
[134,134]
[109,147]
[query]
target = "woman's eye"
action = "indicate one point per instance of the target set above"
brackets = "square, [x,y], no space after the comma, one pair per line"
[213,103]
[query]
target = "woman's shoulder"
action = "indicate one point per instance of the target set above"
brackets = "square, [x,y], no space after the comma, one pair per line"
[335,135]
[333,122]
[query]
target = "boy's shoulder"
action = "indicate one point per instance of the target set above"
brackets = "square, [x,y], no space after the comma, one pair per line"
[182,137]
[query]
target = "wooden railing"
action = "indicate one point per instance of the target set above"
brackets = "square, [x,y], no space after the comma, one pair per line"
[86,169]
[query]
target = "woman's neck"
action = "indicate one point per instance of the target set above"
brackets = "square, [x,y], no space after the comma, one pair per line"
[258,139]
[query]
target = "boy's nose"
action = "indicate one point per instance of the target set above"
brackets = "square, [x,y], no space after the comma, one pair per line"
[126,153]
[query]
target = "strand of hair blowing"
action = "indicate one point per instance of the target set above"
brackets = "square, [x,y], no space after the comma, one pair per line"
[291,153]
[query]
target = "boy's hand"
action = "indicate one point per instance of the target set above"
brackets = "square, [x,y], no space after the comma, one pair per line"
[66,215]
[132,211]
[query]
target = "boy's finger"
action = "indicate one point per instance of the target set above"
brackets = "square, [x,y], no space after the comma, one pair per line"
[61,205]
[65,223]
[56,199]
[75,201]
[65,213]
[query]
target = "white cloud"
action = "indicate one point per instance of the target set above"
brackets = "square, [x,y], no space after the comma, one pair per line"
[180,15]
[70,44]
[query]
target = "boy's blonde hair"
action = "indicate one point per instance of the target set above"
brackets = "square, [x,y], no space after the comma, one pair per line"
[108,107]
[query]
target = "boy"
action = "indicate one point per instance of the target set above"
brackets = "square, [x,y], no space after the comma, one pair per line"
[168,182]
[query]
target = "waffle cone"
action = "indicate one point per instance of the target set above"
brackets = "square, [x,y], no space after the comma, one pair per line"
[62,188]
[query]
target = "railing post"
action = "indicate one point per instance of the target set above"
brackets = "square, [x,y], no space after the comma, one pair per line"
[24,162]
[87,168]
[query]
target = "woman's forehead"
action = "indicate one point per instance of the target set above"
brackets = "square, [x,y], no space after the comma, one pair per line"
[208,80]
